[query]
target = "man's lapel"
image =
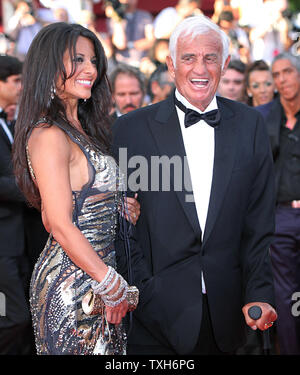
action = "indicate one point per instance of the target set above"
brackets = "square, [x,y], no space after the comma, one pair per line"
[167,134]
[225,146]
[273,121]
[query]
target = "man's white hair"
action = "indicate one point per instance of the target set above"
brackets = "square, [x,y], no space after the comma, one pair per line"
[194,26]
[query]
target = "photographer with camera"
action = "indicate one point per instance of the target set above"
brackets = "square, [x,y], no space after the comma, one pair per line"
[130,30]
[23,26]
[239,41]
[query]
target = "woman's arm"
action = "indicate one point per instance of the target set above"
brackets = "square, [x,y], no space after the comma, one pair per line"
[51,154]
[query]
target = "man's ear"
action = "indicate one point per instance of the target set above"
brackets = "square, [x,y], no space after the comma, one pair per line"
[225,65]
[170,66]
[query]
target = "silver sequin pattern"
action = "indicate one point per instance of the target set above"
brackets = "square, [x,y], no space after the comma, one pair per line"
[58,285]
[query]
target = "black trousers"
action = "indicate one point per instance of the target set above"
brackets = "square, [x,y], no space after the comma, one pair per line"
[206,344]
[285,257]
[15,323]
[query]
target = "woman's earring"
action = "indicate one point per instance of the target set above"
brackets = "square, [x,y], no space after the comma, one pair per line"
[250,95]
[52,92]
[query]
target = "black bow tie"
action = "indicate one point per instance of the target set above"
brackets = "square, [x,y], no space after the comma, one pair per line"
[191,117]
[3,115]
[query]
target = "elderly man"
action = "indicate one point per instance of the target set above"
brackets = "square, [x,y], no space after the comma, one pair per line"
[283,122]
[201,259]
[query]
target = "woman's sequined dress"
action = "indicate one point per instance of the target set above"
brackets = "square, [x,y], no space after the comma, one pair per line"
[58,285]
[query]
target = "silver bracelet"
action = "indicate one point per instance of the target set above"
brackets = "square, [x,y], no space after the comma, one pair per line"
[99,287]
[118,301]
[121,286]
[111,285]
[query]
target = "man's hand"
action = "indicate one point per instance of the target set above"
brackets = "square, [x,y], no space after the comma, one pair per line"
[267,318]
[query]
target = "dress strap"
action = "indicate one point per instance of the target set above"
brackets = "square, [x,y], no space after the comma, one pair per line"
[29,164]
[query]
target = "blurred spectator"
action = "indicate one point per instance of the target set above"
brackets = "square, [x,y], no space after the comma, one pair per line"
[87,19]
[15,324]
[131,32]
[166,21]
[239,42]
[22,27]
[61,14]
[7,45]
[271,34]
[156,57]
[260,87]
[160,84]
[128,89]
[219,7]
[232,83]
[71,7]
[283,123]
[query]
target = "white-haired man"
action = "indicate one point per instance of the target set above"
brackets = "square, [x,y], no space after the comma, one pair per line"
[203,262]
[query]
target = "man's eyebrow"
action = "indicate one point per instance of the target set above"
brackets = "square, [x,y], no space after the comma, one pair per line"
[288,69]
[188,55]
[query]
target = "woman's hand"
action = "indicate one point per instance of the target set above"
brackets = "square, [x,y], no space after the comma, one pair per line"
[114,315]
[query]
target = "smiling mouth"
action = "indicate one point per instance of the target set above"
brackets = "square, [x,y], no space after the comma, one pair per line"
[84,82]
[199,82]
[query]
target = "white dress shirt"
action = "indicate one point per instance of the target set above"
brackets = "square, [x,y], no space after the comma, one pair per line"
[199,143]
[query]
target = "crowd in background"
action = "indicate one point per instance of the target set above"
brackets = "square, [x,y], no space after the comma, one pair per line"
[136,46]
[258,31]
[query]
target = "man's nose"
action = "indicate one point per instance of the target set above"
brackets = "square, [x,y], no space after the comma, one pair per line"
[199,66]
[127,98]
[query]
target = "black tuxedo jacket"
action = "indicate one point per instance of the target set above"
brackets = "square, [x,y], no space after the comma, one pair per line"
[273,113]
[11,204]
[168,254]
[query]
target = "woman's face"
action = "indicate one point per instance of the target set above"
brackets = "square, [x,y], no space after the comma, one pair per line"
[79,86]
[261,87]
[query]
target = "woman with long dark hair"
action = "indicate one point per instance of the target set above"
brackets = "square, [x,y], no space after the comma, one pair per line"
[63,166]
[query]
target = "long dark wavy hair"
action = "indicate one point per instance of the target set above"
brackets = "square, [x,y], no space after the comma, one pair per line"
[42,67]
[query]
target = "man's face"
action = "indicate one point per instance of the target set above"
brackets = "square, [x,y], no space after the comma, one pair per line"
[287,79]
[198,68]
[163,89]
[232,85]
[226,26]
[10,90]
[127,94]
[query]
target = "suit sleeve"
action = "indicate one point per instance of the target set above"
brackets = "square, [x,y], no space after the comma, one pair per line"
[259,224]
[9,190]
[127,244]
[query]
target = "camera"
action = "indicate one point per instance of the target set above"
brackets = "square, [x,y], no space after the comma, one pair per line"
[119,8]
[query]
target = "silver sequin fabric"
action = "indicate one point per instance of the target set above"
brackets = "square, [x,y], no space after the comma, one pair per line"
[58,285]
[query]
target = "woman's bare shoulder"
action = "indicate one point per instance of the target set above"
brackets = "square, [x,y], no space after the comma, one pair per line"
[45,135]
